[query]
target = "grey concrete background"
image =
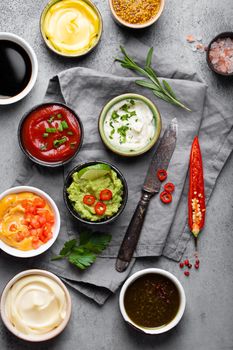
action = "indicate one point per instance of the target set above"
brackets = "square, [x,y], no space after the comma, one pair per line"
[207,323]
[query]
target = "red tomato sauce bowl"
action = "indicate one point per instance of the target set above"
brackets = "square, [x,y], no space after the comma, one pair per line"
[50,134]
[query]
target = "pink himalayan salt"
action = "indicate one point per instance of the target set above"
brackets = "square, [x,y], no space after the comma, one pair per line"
[221,55]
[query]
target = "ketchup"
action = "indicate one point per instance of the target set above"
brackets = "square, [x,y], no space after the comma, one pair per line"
[51,133]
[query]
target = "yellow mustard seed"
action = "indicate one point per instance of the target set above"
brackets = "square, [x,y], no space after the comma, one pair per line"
[136,11]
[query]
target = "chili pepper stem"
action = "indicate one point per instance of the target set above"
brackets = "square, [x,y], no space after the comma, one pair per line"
[195,242]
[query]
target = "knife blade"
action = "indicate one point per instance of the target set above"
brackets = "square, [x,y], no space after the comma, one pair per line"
[160,160]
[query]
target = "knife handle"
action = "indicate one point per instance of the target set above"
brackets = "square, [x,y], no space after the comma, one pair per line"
[132,234]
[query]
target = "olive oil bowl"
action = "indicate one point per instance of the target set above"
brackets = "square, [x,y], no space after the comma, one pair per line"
[152,301]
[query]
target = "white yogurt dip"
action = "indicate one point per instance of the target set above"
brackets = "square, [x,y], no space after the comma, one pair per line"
[35,305]
[129,125]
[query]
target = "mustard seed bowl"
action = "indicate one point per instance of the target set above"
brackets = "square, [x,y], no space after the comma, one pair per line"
[143,25]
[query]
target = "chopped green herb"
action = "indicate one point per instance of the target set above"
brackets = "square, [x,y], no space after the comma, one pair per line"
[60,128]
[136,120]
[115,115]
[132,102]
[72,144]
[122,132]
[83,254]
[43,147]
[111,124]
[125,117]
[125,107]
[112,132]
[51,118]
[45,134]
[59,115]
[59,142]
[70,133]
[133,113]
[64,124]
[51,130]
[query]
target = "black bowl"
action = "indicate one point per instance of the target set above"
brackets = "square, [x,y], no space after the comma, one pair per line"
[69,205]
[221,35]
[41,162]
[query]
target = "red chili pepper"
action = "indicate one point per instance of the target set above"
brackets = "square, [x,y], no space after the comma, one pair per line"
[166,197]
[162,174]
[100,208]
[196,200]
[89,199]
[105,195]
[169,187]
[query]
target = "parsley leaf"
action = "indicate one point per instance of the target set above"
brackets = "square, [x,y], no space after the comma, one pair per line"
[84,253]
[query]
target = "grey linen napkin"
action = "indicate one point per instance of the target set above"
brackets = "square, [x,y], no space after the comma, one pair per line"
[165,231]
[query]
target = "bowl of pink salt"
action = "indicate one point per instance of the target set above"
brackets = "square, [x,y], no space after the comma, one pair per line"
[219,54]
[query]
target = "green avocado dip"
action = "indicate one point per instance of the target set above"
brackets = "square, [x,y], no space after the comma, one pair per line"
[87,188]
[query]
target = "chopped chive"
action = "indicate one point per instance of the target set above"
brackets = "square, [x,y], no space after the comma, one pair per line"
[122,132]
[60,128]
[59,142]
[45,134]
[132,102]
[64,124]
[43,147]
[72,144]
[59,115]
[51,130]
[115,115]
[70,133]
[51,118]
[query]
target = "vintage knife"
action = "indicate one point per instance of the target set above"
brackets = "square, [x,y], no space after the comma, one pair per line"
[160,160]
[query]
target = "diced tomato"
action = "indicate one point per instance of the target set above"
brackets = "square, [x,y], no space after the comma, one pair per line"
[19,237]
[33,232]
[35,223]
[13,227]
[39,202]
[47,229]
[31,210]
[42,220]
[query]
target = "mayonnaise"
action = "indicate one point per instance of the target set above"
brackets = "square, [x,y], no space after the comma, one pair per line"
[71,26]
[129,125]
[35,305]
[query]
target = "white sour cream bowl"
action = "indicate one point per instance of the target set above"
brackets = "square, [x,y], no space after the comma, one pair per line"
[35,305]
[130,125]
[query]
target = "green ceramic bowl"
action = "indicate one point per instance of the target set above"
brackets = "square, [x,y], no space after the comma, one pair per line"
[157,120]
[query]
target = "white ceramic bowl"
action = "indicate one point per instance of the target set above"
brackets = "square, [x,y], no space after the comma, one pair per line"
[123,23]
[56,228]
[179,314]
[10,326]
[20,41]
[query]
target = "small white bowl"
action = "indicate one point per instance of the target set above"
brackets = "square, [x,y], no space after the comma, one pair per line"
[56,228]
[29,50]
[179,314]
[9,325]
[123,23]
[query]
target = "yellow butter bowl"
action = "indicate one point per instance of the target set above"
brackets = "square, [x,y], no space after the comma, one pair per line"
[71,28]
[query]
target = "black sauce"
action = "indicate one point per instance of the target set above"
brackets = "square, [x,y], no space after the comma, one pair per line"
[15,69]
[152,301]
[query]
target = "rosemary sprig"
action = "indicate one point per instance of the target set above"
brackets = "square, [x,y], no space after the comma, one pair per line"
[162,90]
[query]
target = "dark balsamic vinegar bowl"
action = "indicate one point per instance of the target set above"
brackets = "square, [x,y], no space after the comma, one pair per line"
[41,162]
[18,70]
[69,205]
